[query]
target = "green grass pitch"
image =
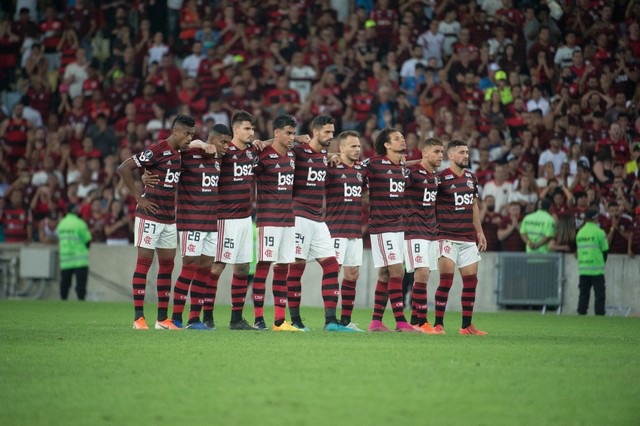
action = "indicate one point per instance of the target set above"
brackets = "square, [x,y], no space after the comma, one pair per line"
[81,363]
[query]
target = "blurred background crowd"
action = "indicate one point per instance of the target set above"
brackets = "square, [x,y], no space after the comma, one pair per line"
[546,93]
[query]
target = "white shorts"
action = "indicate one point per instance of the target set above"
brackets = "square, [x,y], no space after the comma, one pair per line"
[313,240]
[387,248]
[463,253]
[421,254]
[348,251]
[197,243]
[276,244]
[235,241]
[152,235]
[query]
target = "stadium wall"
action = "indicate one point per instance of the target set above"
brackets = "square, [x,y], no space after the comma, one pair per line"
[111,269]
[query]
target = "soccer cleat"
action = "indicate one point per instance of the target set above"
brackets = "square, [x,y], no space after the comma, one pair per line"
[285,326]
[140,324]
[405,327]
[241,325]
[166,325]
[260,325]
[210,324]
[334,326]
[472,330]
[426,328]
[437,329]
[353,326]
[300,326]
[178,324]
[377,325]
[198,326]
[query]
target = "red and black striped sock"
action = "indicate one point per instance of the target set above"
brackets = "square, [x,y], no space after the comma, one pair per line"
[441,297]
[238,295]
[330,288]
[468,299]
[139,283]
[181,290]
[259,288]
[165,268]
[396,299]
[348,293]
[210,296]
[294,289]
[380,300]
[419,303]
[198,293]
[279,285]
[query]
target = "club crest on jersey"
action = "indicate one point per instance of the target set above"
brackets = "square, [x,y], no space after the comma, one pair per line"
[217,166]
[470,183]
[359,176]
[324,159]
[249,154]
[293,164]
[146,156]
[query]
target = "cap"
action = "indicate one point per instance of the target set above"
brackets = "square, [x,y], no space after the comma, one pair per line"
[370,23]
[591,213]
[501,75]
[494,67]
[117,74]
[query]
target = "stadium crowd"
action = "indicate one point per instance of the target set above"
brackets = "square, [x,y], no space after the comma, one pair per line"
[545,92]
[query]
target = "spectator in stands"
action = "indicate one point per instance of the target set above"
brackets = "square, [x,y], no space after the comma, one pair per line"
[490,219]
[509,229]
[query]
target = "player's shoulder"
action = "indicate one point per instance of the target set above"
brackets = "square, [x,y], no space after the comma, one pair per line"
[446,175]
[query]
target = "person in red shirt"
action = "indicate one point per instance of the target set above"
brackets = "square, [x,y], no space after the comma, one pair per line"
[509,229]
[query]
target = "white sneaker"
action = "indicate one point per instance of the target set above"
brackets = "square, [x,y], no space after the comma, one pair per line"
[353,326]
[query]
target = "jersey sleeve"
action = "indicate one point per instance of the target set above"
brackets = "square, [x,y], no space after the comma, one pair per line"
[146,158]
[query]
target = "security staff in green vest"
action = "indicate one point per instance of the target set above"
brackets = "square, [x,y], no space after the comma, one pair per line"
[538,228]
[74,236]
[506,97]
[593,248]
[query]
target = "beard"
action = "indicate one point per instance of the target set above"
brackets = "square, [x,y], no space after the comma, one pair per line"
[462,164]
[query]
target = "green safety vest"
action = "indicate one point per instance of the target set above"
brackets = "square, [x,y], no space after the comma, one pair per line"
[592,242]
[538,225]
[73,235]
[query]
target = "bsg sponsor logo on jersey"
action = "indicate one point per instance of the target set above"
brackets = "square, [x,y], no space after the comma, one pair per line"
[316,176]
[395,188]
[172,177]
[462,200]
[209,181]
[352,191]
[429,197]
[245,170]
[284,179]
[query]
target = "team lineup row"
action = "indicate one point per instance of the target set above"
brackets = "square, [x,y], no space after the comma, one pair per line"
[211,215]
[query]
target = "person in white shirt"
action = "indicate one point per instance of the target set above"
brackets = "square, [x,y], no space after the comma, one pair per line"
[408,68]
[191,63]
[538,102]
[564,54]
[499,188]
[553,155]
[76,73]
[431,42]
[450,29]
[301,76]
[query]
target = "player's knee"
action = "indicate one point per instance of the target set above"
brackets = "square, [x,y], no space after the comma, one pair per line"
[217,268]
[422,275]
[241,269]
[351,273]
[396,270]
[383,274]
[190,260]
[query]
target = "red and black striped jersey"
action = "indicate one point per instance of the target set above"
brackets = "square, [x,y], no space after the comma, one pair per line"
[309,182]
[163,161]
[274,181]
[344,200]
[386,182]
[15,222]
[420,198]
[236,182]
[454,205]
[198,191]
[16,137]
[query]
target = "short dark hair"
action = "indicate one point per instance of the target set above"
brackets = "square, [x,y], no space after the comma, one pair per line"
[321,120]
[219,129]
[383,137]
[428,142]
[347,133]
[183,120]
[284,120]
[545,204]
[454,143]
[240,116]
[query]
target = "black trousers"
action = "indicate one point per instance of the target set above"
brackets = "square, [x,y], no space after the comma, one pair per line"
[586,282]
[81,282]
